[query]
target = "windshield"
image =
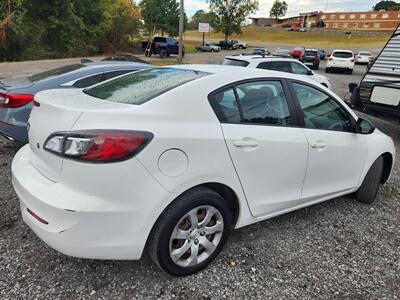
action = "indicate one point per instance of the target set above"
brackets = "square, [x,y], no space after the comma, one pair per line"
[365,53]
[140,87]
[235,62]
[55,72]
[340,54]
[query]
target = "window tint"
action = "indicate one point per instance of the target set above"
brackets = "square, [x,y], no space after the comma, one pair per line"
[298,68]
[264,103]
[88,81]
[112,74]
[282,66]
[55,72]
[340,54]
[227,106]
[142,86]
[320,110]
[235,62]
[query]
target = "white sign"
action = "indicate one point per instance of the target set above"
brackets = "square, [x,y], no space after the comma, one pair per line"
[204,27]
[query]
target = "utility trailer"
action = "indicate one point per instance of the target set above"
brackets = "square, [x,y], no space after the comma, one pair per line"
[379,90]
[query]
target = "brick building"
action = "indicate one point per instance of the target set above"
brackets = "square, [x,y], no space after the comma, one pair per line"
[386,20]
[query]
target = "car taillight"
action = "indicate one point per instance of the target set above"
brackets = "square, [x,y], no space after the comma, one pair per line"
[14,100]
[156,46]
[359,57]
[352,60]
[98,145]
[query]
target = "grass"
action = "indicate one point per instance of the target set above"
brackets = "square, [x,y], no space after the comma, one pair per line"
[307,39]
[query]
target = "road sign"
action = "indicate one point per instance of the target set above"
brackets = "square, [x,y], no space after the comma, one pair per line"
[204,27]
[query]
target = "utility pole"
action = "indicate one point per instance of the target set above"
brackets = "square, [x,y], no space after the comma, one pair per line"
[181,25]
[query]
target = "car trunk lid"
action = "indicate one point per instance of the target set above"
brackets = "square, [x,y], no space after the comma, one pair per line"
[56,111]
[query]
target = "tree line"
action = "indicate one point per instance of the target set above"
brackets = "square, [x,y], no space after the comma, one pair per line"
[37,29]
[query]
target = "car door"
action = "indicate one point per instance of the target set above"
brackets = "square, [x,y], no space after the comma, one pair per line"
[336,154]
[267,149]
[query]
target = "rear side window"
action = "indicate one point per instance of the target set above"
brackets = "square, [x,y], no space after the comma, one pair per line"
[235,62]
[340,54]
[264,103]
[282,66]
[112,74]
[88,81]
[142,86]
[227,106]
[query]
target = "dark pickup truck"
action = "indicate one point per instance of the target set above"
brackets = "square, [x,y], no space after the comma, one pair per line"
[163,46]
[228,45]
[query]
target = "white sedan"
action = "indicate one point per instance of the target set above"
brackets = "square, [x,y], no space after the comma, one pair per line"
[167,160]
[363,57]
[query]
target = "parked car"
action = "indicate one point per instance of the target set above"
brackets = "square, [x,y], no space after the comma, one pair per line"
[209,48]
[379,89]
[17,93]
[241,45]
[341,60]
[289,29]
[229,45]
[303,29]
[322,54]
[282,53]
[287,65]
[162,46]
[311,58]
[128,169]
[261,51]
[297,52]
[363,57]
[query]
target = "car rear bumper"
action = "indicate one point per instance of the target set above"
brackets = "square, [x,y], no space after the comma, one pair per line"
[13,132]
[81,224]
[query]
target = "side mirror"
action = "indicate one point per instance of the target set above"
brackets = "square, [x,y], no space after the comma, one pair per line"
[352,86]
[309,73]
[364,127]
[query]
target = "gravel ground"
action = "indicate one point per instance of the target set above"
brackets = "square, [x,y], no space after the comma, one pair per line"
[337,249]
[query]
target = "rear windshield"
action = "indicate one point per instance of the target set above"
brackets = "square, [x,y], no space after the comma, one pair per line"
[235,62]
[55,72]
[340,54]
[140,87]
[365,53]
[311,53]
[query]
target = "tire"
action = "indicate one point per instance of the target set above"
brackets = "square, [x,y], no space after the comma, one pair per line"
[369,187]
[350,71]
[212,50]
[163,53]
[327,70]
[176,219]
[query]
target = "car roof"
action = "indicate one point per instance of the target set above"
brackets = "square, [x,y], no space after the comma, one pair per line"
[342,50]
[250,58]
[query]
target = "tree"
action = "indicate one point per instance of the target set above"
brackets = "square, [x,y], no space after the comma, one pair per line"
[201,16]
[279,9]
[228,16]
[386,6]
[163,16]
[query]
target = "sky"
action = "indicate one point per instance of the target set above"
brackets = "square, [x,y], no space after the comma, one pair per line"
[295,6]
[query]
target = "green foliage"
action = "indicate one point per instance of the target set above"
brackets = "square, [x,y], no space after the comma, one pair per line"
[228,16]
[161,14]
[386,5]
[63,28]
[279,9]
[201,17]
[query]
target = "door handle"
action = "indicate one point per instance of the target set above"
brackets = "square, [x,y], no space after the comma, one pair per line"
[245,143]
[318,145]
